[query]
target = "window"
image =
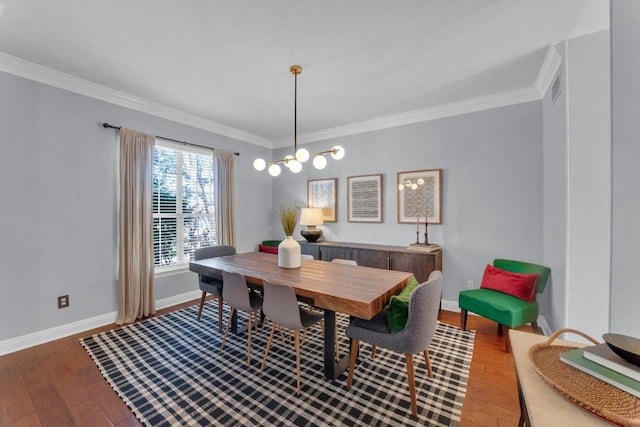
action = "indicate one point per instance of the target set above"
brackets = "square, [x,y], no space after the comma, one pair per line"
[183,204]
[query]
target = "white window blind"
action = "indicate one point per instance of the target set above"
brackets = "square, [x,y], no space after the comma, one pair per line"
[183,203]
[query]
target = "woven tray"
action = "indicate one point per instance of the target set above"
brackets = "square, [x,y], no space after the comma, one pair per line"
[586,391]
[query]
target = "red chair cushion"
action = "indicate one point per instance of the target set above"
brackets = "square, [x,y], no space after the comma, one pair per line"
[268,249]
[522,286]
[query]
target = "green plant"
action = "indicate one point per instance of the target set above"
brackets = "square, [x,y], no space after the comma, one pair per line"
[288,218]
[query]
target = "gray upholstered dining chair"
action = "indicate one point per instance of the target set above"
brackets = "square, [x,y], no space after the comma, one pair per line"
[212,285]
[236,293]
[422,319]
[282,309]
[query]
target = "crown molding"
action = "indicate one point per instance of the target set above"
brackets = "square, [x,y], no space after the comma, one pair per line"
[548,71]
[48,76]
[497,100]
[29,70]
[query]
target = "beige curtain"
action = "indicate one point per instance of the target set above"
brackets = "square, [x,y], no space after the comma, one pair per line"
[225,209]
[135,276]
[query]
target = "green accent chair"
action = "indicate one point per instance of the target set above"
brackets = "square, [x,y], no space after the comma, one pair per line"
[504,309]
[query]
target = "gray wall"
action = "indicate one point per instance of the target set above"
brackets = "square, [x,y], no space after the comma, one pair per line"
[577,188]
[506,191]
[59,203]
[589,181]
[553,300]
[625,50]
[492,186]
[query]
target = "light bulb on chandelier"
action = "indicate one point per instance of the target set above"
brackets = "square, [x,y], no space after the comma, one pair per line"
[295,166]
[302,155]
[337,152]
[287,160]
[259,164]
[294,163]
[320,162]
[274,170]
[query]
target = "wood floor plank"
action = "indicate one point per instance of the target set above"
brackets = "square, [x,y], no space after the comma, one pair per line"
[87,414]
[71,390]
[52,410]
[503,397]
[28,421]
[88,375]
[132,421]
[15,400]
[26,357]
[35,376]
[109,402]
[478,414]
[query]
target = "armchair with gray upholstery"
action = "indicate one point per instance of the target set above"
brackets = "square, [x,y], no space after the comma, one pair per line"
[422,320]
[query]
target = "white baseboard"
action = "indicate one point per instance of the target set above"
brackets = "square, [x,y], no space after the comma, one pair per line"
[19,343]
[177,299]
[542,324]
[450,306]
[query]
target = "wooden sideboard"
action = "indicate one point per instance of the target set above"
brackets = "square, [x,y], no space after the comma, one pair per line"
[421,264]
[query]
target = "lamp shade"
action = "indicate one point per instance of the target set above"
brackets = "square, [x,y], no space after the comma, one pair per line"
[311,216]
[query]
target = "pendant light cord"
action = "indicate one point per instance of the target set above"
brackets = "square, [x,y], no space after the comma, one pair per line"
[295,114]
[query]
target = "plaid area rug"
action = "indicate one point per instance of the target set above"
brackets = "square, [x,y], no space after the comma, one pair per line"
[170,371]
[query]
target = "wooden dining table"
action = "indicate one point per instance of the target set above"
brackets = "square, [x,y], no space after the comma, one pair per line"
[353,290]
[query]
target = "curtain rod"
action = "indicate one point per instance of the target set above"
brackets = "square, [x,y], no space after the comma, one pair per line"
[107,126]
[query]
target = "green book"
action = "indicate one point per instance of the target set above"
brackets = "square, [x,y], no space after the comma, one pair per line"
[576,359]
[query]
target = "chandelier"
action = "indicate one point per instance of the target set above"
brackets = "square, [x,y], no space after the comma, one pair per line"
[294,162]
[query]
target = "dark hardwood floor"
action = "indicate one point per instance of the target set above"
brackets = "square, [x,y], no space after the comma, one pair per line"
[57,384]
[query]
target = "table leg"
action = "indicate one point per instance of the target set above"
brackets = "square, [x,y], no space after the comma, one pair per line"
[234,320]
[332,367]
[524,415]
[350,342]
[234,324]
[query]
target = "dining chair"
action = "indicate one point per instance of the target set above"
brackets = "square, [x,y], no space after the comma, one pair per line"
[415,337]
[239,297]
[210,284]
[282,309]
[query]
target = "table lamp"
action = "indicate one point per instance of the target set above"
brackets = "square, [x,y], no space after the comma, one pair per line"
[311,217]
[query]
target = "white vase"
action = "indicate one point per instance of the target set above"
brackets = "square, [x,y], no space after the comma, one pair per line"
[289,253]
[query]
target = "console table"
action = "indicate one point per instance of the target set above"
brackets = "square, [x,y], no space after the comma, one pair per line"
[421,264]
[540,405]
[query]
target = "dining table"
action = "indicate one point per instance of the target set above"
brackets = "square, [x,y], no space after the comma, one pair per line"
[356,291]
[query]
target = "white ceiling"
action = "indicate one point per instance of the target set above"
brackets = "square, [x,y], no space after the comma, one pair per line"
[228,61]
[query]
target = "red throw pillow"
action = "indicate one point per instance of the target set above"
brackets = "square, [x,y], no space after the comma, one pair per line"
[519,285]
[268,249]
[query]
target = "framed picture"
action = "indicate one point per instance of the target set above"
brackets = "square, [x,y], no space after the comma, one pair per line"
[364,198]
[420,197]
[321,193]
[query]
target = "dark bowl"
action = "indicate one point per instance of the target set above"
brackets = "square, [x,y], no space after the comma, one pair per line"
[624,346]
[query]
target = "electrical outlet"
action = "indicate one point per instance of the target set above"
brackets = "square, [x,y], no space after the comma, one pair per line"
[63,301]
[469,284]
